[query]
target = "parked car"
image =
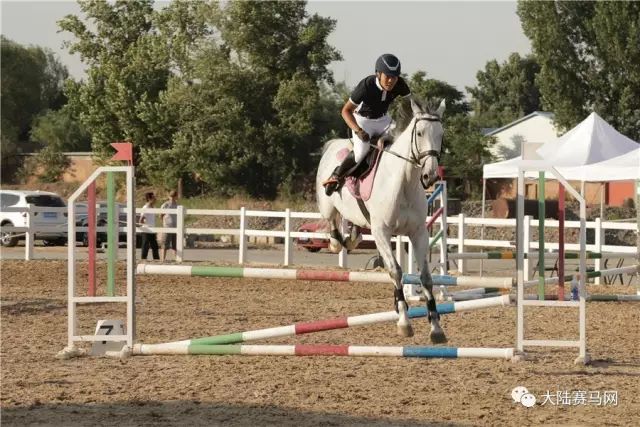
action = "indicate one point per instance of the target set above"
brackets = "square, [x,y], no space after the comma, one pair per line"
[22,199]
[82,220]
[314,244]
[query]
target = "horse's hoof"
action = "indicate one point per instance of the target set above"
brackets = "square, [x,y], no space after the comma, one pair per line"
[335,247]
[405,331]
[438,337]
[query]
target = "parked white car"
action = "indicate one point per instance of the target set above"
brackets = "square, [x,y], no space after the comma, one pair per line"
[22,199]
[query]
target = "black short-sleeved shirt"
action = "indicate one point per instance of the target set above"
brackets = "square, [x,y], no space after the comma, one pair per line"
[372,100]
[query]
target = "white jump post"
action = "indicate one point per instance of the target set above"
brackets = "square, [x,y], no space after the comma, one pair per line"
[343,254]
[242,238]
[180,234]
[521,342]
[129,299]
[29,236]
[461,230]
[287,238]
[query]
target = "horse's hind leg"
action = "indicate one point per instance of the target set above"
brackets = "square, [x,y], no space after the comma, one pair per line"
[355,237]
[335,237]
[420,243]
[330,213]
[383,242]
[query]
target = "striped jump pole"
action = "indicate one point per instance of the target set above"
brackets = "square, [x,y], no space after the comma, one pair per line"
[471,297]
[322,275]
[512,255]
[470,294]
[632,269]
[499,282]
[326,325]
[594,298]
[329,350]
[265,273]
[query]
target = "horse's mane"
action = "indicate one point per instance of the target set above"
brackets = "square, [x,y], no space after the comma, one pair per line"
[405,114]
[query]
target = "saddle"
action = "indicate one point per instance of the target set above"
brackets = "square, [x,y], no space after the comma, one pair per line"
[361,177]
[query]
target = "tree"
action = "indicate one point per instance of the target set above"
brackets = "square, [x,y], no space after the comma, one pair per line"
[60,131]
[589,54]
[226,92]
[32,80]
[432,90]
[465,150]
[506,92]
[127,65]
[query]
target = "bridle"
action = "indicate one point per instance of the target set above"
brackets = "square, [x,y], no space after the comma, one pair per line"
[416,154]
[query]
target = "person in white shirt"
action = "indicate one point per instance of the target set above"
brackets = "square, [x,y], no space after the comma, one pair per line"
[149,239]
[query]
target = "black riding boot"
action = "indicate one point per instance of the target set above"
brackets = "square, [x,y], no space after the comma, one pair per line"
[340,173]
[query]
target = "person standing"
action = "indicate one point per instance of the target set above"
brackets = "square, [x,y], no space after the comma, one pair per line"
[169,221]
[149,239]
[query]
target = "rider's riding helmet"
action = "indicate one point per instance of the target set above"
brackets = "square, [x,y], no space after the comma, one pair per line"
[388,64]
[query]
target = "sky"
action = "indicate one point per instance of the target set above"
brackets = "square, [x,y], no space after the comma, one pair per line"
[450,41]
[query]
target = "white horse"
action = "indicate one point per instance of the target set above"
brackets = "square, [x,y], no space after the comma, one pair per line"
[397,204]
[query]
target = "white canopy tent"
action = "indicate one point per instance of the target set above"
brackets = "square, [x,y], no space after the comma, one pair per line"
[620,168]
[592,141]
[593,151]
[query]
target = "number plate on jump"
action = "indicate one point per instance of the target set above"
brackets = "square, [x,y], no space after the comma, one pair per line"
[51,214]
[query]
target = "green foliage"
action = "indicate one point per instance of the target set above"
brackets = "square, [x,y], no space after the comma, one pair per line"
[128,65]
[230,94]
[465,151]
[431,90]
[60,131]
[506,92]
[589,54]
[424,88]
[47,166]
[32,81]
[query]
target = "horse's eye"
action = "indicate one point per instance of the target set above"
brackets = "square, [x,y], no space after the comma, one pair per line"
[419,133]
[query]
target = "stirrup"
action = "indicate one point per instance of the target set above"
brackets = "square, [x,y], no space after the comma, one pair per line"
[331,180]
[332,184]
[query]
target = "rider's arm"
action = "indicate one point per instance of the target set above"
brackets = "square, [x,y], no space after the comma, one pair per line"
[347,114]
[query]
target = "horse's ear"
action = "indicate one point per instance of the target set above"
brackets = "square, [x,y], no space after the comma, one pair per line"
[441,108]
[416,108]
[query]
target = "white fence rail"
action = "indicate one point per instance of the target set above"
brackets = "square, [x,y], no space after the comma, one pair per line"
[459,239]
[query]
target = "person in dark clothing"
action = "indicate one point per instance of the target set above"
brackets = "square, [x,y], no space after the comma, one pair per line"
[366,113]
[149,239]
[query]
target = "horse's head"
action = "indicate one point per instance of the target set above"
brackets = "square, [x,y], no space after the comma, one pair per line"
[426,140]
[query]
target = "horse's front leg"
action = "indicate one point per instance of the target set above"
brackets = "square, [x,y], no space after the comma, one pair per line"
[420,242]
[382,237]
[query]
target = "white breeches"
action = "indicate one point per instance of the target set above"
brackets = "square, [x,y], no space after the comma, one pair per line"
[372,127]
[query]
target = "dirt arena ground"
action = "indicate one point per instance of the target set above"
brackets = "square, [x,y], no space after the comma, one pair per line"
[38,389]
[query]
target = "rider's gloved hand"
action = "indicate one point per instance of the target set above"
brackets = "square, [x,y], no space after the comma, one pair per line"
[364,136]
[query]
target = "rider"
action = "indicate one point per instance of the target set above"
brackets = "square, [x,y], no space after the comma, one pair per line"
[366,113]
